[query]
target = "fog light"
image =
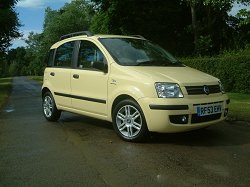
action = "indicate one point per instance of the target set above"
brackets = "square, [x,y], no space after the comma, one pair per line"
[179,119]
[226,112]
[184,119]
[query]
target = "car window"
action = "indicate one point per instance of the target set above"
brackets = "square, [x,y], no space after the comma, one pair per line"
[64,54]
[50,57]
[89,56]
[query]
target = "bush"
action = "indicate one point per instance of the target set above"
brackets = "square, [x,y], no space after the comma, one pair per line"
[13,70]
[233,69]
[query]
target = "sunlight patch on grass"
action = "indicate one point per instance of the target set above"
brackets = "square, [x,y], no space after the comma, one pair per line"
[239,108]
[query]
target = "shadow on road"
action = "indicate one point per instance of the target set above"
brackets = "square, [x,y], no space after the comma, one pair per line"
[223,134]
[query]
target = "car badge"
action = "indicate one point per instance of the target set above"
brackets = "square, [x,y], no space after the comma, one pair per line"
[206,89]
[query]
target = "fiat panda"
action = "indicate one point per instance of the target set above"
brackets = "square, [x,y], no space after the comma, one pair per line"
[131,82]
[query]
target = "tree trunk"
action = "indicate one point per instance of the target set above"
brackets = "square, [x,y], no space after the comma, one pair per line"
[194,24]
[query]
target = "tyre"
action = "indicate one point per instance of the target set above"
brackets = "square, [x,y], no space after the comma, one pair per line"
[50,111]
[129,121]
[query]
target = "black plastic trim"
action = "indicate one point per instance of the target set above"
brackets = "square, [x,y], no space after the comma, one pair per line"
[76,34]
[81,97]
[168,107]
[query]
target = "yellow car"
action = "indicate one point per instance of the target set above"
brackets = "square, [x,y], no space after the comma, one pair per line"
[131,82]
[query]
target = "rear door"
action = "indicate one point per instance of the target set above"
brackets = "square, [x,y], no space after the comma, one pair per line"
[60,74]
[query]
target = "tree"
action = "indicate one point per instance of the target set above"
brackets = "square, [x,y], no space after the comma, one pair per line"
[77,15]
[162,21]
[16,60]
[212,7]
[72,17]
[9,24]
[183,27]
[34,55]
[244,14]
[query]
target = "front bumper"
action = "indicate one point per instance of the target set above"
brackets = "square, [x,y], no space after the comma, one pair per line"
[179,114]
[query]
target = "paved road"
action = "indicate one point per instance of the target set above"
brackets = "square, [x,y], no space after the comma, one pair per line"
[79,151]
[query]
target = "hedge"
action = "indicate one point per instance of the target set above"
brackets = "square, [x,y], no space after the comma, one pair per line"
[233,69]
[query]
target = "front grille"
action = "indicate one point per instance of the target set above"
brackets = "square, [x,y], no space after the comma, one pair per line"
[200,119]
[199,90]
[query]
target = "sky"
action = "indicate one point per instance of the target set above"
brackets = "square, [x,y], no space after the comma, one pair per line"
[31,16]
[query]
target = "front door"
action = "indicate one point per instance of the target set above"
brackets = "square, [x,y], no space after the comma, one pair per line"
[88,84]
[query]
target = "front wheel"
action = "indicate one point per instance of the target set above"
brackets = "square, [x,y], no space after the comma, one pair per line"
[50,111]
[129,121]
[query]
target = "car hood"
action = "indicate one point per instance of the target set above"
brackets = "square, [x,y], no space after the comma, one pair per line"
[181,75]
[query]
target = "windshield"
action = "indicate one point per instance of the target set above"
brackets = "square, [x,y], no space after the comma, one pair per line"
[138,52]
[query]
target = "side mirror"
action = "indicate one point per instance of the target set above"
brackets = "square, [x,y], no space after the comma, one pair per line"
[100,66]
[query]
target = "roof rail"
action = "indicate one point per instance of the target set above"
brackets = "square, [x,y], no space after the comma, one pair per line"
[139,36]
[76,34]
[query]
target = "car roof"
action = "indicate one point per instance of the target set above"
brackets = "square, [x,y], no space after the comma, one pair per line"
[72,37]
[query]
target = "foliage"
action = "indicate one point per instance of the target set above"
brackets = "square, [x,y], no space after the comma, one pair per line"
[245,15]
[205,30]
[231,68]
[209,9]
[77,15]
[16,60]
[165,22]
[9,24]
[30,60]
[204,45]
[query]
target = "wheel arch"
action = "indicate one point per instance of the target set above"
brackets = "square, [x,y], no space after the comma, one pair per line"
[44,90]
[119,99]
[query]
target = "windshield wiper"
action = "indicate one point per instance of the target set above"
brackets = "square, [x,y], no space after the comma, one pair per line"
[160,63]
[145,63]
[155,63]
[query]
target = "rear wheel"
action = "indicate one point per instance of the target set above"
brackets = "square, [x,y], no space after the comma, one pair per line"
[129,121]
[50,111]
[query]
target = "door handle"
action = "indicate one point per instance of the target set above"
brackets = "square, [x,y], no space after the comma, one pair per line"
[76,76]
[52,73]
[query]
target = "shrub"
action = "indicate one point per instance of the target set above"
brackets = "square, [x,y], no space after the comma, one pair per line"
[233,69]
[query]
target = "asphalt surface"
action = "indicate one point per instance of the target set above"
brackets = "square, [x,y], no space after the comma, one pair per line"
[80,151]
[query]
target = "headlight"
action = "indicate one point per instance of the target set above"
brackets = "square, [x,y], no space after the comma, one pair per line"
[221,87]
[168,90]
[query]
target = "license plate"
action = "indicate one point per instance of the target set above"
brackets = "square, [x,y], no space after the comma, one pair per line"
[205,110]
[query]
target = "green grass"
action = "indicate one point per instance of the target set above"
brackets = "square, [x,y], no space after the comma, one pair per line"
[5,86]
[36,78]
[239,107]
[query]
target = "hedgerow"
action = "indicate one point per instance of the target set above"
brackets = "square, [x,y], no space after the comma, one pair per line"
[233,69]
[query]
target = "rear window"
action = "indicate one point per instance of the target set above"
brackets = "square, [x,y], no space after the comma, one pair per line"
[50,58]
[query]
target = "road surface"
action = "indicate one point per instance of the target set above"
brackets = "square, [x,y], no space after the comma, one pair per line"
[80,151]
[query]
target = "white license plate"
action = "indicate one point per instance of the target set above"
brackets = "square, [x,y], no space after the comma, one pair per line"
[205,110]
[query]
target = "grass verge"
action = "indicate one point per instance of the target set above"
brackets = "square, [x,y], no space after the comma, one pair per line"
[37,78]
[5,87]
[239,107]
